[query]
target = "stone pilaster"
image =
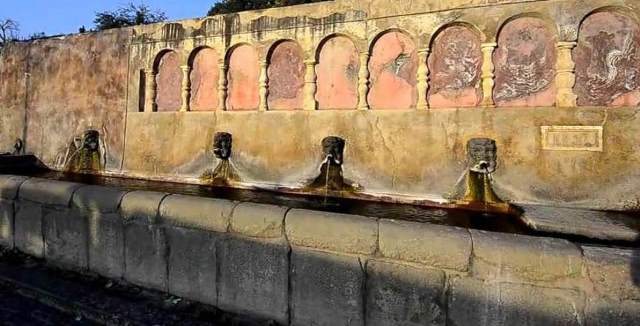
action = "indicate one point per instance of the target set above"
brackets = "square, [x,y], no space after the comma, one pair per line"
[186,88]
[222,85]
[310,86]
[150,91]
[423,80]
[263,82]
[487,74]
[565,75]
[363,81]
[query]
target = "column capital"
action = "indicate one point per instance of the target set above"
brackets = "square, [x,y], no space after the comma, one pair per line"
[566,44]
[488,45]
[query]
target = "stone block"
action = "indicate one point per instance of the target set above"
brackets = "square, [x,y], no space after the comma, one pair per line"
[48,192]
[66,238]
[106,244]
[331,231]
[192,264]
[9,186]
[474,302]
[197,212]
[145,255]
[7,214]
[615,272]
[428,244]
[254,277]
[141,206]
[98,198]
[258,220]
[404,295]
[503,256]
[603,312]
[28,235]
[326,289]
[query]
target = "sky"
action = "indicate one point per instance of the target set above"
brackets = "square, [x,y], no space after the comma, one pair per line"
[65,16]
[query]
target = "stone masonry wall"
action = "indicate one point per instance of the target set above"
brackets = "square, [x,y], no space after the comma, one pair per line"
[301,267]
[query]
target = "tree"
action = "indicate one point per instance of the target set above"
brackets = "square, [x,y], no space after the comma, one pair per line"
[230,6]
[128,15]
[8,31]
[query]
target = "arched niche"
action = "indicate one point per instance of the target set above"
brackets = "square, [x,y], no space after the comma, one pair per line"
[524,63]
[455,67]
[286,76]
[393,67]
[607,60]
[168,81]
[243,76]
[205,74]
[337,74]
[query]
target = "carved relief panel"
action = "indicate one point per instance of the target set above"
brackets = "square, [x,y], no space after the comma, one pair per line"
[608,61]
[525,64]
[286,76]
[454,64]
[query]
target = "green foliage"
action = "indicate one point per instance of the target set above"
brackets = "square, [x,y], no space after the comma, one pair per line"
[230,6]
[128,15]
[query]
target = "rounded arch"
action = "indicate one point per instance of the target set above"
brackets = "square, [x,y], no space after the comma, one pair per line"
[204,78]
[285,75]
[168,80]
[243,73]
[194,53]
[622,10]
[549,22]
[319,45]
[337,68]
[482,36]
[158,57]
[378,36]
[274,45]
[234,47]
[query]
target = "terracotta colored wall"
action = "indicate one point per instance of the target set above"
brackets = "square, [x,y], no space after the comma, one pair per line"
[169,82]
[337,74]
[454,66]
[608,61]
[204,80]
[286,76]
[243,74]
[525,64]
[393,66]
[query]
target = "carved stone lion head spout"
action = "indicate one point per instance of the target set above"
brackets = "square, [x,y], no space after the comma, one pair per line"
[91,140]
[333,149]
[222,144]
[482,155]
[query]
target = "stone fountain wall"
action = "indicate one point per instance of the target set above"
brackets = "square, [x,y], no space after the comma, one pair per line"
[406,84]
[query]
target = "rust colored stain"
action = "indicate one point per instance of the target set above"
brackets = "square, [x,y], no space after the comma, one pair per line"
[608,61]
[243,75]
[169,83]
[286,77]
[337,73]
[525,64]
[204,81]
[393,66]
[454,66]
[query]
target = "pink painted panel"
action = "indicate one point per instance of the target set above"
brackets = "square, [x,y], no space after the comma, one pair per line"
[525,64]
[169,83]
[454,66]
[337,74]
[204,80]
[608,61]
[286,77]
[243,76]
[393,67]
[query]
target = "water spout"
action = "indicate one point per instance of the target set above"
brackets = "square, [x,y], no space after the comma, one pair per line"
[224,173]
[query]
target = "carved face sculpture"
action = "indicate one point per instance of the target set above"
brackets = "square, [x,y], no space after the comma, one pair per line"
[91,140]
[222,142]
[482,155]
[333,148]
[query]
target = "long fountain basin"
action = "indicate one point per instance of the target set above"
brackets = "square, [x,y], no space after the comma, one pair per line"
[298,266]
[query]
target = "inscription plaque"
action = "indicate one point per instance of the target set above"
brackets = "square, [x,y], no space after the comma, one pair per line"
[572,138]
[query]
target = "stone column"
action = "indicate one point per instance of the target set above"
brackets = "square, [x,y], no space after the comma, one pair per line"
[310,86]
[186,88]
[487,74]
[263,82]
[565,75]
[150,91]
[423,79]
[222,85]
[363,82]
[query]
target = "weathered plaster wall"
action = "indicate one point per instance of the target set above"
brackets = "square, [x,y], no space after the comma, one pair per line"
[13,95]
[414,81]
